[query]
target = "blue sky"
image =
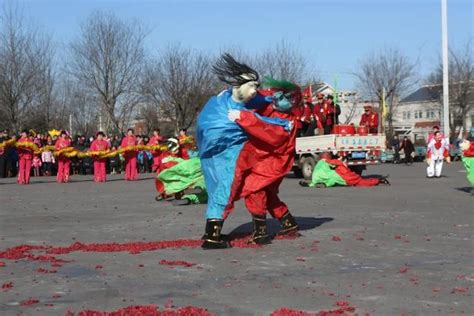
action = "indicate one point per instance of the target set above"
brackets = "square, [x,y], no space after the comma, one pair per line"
[332,35]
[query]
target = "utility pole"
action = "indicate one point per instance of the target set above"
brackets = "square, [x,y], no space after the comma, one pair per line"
[444,40]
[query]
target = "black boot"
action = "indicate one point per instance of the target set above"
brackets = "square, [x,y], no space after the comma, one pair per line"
[288,225]
[213,238]
[260,233]
[384,181]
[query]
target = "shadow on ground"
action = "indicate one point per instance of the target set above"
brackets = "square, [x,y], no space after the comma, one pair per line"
[304,223]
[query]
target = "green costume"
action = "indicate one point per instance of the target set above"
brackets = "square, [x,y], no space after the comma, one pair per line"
[185,174]
[323,173]
[469,165]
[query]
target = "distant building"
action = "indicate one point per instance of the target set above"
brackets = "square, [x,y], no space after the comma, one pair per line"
[420,111]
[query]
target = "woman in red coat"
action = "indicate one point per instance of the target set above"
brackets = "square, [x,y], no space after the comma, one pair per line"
[64,163]
[130,156]
[25,154]
[99,144]
[155,141]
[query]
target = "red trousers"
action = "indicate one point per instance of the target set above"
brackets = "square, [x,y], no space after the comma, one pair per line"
[24,170]
[63,170]
[266,200]
[99,170]
[131,173]
[156,161]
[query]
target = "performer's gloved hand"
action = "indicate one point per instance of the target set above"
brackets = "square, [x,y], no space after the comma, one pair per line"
[269,99]
[233,115]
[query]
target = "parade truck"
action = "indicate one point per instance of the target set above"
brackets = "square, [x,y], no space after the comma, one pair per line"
[358,151]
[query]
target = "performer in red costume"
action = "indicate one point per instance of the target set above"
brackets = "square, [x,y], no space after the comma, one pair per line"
[186,143]
[352,178]
[64,163]
[25,154]
[167,161]
[370,119]
[154,141]
[269,156]
[330,172]
[130,156]
[99,144]
[324,114]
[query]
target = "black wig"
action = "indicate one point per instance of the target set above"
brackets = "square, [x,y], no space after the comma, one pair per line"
[232,72]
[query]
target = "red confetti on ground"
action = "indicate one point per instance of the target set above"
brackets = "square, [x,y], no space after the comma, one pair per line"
[147,310]
[404,270]
[344,309]
[2,264]
[336,238]
[177,263]
[300,259]
[41,270]
[98,267]
[28,252]
[7,285]
[436,289]
[414,280]
[459,290]
[398,237]
[288,237]
[284,311]
[31,301]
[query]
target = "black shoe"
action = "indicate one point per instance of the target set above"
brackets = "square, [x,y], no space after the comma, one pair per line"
[304,183]
[288,225]
[181,202]
[384,181]
[158,198]
[260,233]
[213,238]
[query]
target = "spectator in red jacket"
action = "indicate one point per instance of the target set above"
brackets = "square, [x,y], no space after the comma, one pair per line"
[370,119]
[25,154]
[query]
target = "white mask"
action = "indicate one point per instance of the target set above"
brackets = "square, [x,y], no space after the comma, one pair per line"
[245,92]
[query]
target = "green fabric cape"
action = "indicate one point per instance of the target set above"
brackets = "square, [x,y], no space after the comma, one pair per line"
[324,174]
[469,165]
[187,173]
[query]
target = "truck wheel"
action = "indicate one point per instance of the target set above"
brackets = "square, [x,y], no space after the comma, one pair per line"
[307,167]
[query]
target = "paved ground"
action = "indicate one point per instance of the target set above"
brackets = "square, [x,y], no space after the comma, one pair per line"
[404,249]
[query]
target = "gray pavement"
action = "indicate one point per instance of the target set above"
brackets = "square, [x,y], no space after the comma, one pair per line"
[403,249]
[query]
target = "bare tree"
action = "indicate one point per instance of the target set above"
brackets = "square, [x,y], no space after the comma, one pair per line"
[178,83]
[461,84]
[389,70]
[284,62]
[23,54]
[108,58]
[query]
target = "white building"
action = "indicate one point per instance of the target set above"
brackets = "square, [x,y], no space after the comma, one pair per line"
[420,111]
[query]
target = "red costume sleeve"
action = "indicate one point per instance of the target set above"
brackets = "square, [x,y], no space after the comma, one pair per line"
[470,151]
[363,120]
[273,135]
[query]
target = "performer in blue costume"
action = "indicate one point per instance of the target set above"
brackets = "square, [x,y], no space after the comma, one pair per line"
[220,140]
